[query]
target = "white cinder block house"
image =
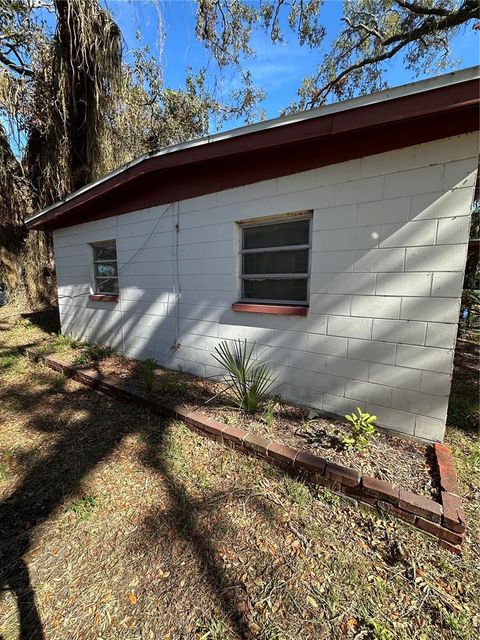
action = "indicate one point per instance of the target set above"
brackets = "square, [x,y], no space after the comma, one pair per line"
[335,239]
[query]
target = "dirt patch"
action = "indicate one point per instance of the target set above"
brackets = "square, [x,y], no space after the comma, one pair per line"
[406,463]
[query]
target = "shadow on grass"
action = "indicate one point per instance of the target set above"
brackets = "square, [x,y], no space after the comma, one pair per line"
[47,319]
[463,407]
[78,447]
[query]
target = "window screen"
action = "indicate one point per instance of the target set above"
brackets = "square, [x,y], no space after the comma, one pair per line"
[275,261]
[105,267]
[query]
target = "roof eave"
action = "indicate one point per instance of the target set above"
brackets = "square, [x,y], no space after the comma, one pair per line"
[452,92]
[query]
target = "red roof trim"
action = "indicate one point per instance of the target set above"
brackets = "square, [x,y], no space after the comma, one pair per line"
[282,150]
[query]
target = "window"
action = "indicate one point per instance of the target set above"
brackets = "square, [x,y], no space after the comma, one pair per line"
[105,267]
[275,261]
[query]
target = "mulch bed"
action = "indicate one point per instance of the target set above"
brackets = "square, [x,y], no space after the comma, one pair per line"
[406,463]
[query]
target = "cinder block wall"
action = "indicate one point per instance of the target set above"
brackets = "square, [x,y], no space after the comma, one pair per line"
[390,235]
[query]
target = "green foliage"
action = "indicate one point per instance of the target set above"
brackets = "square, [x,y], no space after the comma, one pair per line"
[84,507]
[269,412]
[148,372]
[63,343]
[330,498]
[371,33]
[8,359]
[81,359]
[5,473]
[463,407]
[248,380]
[58,380]
[92,353]
[96,352]
[379,630]
[363,428]
[297,492]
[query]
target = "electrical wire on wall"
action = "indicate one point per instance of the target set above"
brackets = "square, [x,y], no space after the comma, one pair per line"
[79,295]
[178,288]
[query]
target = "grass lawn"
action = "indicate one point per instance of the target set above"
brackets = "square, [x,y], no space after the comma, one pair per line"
[115,523]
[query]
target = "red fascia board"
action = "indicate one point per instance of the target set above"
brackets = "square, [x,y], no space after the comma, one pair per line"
[439,112]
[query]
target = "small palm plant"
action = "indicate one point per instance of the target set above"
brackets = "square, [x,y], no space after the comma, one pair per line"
[248,380]
[363,428]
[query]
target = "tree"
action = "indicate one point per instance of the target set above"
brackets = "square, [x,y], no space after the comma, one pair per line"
[55,91]
[75,110]
[373,32]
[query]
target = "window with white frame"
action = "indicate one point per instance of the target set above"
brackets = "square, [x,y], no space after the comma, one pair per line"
[275,260]
[105,271]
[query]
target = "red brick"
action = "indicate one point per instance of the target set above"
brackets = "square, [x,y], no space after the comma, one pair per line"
[55,363]
[454,548]
[307,461]
[396,511]
[343,475]
[381,489]
[355,492]
[453,514]
[446,469]
[282,452]
[430,527]
[206,424]
[452,537]
[180,411]
[257,443]
[420,505]
[234,434]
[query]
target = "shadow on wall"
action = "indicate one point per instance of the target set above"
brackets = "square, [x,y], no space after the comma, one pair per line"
[80,445]
[381,287]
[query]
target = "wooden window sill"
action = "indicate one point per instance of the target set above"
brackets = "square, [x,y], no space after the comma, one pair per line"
[100,297]
[274,309]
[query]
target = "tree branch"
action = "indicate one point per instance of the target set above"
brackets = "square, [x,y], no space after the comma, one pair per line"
[23,71]
[468,10]
[421,10]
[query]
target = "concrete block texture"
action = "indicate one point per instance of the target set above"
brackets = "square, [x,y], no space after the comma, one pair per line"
[387,257]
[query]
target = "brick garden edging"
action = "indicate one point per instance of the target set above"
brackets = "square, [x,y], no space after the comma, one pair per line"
[444,520]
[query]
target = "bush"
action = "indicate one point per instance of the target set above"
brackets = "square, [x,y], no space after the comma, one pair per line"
[248,380]
[363,428]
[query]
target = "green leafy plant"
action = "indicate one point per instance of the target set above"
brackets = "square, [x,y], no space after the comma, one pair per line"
[148,372]
[98,352]
[84,507]
[61,343]
[330,498]
[92,353]
[58,380]
[82,358]
[363,428]
[248,380]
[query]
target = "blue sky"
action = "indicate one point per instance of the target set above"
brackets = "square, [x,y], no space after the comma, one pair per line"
[168,28]
[277,69]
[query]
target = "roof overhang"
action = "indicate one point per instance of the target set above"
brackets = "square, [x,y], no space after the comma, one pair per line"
[420,112]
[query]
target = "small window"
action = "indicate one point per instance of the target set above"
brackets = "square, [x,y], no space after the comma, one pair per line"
[275,261]
[105,267]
